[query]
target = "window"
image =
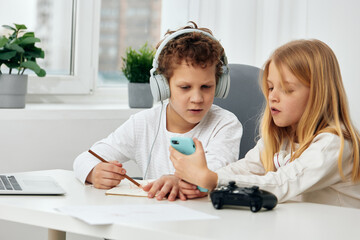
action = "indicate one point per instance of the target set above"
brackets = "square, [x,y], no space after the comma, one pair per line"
[84,42]
[65,30]
[51,22]
[123,24]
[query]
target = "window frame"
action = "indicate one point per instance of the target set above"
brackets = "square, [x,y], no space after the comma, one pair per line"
[84,61]
[81,84]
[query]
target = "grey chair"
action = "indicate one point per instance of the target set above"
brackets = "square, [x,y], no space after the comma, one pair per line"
[245,100]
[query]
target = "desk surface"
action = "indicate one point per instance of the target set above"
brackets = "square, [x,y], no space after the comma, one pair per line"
[290,220]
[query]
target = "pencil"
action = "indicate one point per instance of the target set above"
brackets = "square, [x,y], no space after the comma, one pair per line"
[103,160]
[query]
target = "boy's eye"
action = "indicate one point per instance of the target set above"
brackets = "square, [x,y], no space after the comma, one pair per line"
[184,87]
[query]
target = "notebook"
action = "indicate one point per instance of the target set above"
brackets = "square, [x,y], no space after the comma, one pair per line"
[127,188]
[18,184]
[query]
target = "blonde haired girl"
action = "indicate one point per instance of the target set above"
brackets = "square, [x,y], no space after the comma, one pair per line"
[309,149]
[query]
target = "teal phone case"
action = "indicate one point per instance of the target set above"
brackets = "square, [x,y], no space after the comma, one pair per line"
[185,146]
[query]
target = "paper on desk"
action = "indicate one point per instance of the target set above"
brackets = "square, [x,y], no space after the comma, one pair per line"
[101,215]
[127,188]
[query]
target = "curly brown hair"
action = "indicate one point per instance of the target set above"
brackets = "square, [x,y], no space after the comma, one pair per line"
[197,49]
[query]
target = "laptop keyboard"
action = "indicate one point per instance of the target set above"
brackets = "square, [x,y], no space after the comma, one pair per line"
[9,183]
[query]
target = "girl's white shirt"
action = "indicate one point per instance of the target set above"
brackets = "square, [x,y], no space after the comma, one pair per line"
[313,177]
[219,131]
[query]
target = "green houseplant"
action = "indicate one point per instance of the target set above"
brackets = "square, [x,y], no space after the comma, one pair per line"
[136,68]
[17,53]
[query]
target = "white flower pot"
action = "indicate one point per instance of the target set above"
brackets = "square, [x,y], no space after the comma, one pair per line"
[13,89]
[140,95]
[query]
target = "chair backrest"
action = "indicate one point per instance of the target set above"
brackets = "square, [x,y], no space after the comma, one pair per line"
[245,100]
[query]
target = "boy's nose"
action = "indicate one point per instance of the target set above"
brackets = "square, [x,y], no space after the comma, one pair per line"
[196,96]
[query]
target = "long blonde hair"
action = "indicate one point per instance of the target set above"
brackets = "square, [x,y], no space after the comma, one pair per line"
[316,66]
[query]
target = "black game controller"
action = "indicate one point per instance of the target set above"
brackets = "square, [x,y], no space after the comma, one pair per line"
[243,196]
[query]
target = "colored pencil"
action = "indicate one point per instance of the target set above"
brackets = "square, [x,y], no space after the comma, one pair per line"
[103,160]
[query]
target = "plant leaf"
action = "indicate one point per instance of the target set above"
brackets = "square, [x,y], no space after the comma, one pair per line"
[15,47]
[8,27]
[33,52]
[29,34]
[42,73]
[28,40]
[20,26]
[6,55]
[31,65]
[137,64]
[18,51]
[3,41]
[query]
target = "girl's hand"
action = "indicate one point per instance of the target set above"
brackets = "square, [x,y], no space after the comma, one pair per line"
[106,175]
[166,185]
[193,168]
[190,190]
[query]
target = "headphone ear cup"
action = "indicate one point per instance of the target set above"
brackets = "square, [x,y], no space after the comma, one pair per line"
[154,88]
[159,87]
[164,87]
[223,85]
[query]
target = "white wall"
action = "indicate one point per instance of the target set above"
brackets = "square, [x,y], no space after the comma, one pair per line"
[52,136]
[250,30]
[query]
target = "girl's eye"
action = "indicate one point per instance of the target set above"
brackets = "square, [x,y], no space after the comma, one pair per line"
[270,89]
[206,86]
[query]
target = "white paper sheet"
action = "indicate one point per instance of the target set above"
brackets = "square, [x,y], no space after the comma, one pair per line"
[101,215]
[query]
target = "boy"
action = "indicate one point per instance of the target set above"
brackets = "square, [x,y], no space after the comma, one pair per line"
[189,70]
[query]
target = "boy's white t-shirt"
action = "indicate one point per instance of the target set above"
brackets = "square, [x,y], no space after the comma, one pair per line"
[219,131]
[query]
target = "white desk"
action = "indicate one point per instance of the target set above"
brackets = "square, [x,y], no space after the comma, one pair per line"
[286,221]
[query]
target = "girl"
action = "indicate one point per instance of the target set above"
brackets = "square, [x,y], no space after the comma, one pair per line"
[308,149]
[190,66]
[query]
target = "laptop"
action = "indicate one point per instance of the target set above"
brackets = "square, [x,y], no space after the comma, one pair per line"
[20,184]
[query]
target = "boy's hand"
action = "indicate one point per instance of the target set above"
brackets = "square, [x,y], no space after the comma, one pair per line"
[190,190]
[106,175]
[166,185]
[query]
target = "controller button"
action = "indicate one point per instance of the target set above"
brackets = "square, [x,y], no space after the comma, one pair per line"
[223,188]
[232,183]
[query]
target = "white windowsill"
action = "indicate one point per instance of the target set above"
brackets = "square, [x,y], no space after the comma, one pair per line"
[41,111]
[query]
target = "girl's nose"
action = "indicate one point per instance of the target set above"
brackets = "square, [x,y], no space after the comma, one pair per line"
[274,95]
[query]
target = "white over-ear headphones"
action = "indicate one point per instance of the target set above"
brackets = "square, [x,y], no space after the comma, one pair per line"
[159,84]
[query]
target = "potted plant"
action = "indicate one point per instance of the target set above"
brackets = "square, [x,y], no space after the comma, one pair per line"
[136,68]
[17,53]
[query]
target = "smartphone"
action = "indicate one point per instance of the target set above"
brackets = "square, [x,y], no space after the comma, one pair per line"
[185,146]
